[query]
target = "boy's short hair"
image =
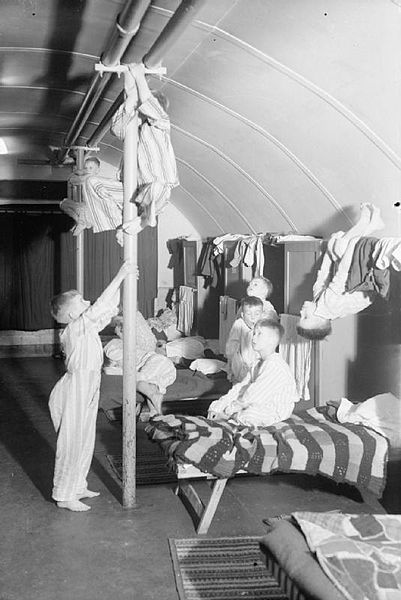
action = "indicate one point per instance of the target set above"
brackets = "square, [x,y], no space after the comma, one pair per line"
[59,303]
[315,333]
[268,284]
[92,159]
[271,324]
[251,301]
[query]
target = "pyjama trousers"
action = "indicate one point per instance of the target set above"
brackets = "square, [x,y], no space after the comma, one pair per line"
[73,408]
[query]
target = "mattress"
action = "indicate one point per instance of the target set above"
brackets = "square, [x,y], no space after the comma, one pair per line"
[191,393]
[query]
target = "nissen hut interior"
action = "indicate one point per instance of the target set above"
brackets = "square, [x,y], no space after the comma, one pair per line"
[200,299]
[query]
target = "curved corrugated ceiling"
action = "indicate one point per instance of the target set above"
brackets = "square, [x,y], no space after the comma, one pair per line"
[285,115]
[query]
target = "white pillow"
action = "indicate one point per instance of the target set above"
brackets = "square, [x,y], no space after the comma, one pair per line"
[208,365]
[381,413]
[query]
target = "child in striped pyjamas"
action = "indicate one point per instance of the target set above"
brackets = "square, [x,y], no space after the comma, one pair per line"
[74,399]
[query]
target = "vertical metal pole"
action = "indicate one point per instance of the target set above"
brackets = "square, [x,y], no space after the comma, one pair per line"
[79,239]
[129,314]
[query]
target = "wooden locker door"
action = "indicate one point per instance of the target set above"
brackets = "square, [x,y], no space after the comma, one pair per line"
[301,261]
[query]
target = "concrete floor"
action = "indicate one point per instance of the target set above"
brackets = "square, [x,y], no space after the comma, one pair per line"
[109,552]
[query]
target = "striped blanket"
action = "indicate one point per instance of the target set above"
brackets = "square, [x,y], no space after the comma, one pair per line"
[310,442]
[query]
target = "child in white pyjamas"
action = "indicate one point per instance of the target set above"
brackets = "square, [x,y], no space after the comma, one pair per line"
[74,399]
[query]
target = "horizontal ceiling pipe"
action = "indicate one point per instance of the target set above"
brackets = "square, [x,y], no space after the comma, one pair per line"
[126,26]
[171,33]
[175,27]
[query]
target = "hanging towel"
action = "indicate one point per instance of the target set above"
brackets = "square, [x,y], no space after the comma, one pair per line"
[296,351]
[185,309]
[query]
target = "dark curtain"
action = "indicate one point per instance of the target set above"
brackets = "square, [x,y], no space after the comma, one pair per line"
[147,264]
[37,261]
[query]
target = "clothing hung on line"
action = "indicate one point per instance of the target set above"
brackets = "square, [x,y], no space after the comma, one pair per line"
[267,395]
[248,250]
[74,400]
[185,309]
[209,265]
[296,351]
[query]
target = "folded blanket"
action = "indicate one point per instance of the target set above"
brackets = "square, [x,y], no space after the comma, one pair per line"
[287,546]
[361,554]
[309,442]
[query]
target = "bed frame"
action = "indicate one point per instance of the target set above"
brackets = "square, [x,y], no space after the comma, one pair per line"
[202,513]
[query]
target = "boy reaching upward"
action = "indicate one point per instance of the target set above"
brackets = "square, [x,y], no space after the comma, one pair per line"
[74,399]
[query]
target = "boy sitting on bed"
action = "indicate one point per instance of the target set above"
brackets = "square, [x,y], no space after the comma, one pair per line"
[268,393]
[330,300]
[239,352]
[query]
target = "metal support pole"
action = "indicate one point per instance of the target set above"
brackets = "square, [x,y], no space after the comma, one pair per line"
[80,238]
[129,313]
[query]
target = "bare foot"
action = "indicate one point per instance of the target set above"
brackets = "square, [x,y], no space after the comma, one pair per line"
[74,505]
[87,494]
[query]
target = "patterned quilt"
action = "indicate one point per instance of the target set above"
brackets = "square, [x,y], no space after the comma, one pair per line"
[310,442]
[361,554]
